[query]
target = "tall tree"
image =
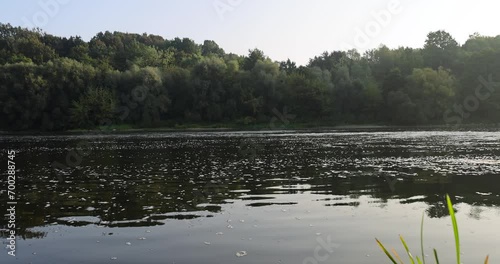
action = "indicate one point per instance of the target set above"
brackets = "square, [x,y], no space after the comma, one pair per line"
[440,50]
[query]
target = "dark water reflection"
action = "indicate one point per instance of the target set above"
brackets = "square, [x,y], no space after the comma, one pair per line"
[161,182]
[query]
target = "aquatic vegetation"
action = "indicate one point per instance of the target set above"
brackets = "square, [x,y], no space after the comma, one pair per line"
[395,255]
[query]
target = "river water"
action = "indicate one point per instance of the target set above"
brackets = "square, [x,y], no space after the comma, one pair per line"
[251,197]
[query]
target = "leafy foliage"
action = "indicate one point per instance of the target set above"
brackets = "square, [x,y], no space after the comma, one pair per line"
[155,81]
[94,108]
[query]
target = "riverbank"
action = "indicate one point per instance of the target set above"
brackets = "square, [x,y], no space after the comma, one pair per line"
[308,126]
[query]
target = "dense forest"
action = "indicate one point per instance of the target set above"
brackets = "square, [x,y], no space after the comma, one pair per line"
[56,83]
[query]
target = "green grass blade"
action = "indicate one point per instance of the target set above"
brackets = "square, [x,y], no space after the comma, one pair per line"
[385,251]
[406,248]
[419,261]
[455,227]
[436,256]
[422,238]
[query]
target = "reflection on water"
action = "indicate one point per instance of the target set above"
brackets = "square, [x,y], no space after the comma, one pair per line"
[137,181]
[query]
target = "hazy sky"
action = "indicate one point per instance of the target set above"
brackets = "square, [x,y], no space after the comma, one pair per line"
[295,29]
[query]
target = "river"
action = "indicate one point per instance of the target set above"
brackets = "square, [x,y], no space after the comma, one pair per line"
[252,197]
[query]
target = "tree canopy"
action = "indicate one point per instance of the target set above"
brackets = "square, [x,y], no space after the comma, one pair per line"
[56,83]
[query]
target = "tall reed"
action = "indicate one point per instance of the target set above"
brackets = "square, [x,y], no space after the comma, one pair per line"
[436,258]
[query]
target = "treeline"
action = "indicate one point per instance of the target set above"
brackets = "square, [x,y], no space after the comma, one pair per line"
[55,83]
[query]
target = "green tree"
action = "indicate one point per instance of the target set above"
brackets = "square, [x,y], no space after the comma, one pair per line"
[95,108]
[432,91]
[254,56]
[44,82]
[440,50]
[23,96]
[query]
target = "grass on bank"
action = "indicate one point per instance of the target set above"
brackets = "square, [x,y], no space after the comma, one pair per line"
[416,259]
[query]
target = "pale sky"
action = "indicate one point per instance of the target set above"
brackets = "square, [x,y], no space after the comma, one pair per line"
[295,29]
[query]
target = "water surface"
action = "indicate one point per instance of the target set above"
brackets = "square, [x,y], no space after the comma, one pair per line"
[279,196]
